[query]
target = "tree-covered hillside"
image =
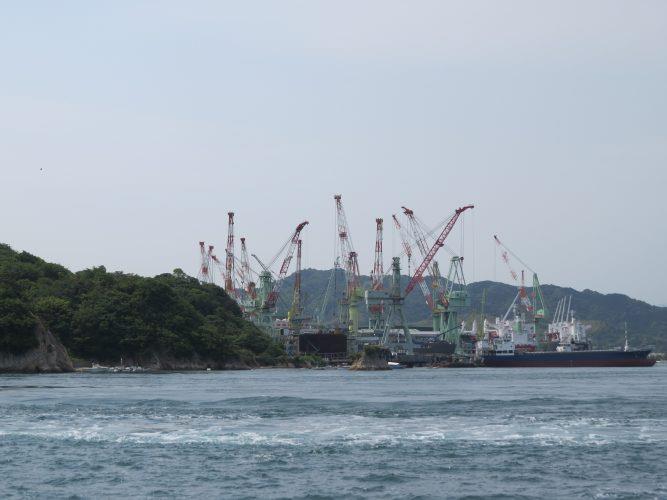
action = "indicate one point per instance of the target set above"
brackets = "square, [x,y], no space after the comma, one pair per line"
[647,324]
[105,316]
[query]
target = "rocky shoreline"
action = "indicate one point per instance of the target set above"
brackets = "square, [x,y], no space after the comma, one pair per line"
[50,356]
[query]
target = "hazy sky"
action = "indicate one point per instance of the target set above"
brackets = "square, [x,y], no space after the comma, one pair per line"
[151,120]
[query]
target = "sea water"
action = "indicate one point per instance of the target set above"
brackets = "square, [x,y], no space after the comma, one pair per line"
[279,433]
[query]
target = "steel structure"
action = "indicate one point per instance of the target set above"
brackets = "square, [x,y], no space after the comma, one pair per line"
[272,297]
[229,259]
[246,275]
[377,275]
[330,289]
[407,248]
[428,258]
[204,274]
[395,323]
[535,304]
[295,314]
[348,257]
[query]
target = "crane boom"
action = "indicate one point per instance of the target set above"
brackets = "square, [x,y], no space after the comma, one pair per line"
[229,260]
[419,272]
[264,266]
[294,240]
[246,277]
[523,296]
[404,240]
[347,253]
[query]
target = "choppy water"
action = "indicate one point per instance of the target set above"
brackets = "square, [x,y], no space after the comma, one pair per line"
[416,433]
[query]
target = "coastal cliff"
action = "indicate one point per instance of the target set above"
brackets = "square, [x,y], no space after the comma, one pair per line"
[49,356]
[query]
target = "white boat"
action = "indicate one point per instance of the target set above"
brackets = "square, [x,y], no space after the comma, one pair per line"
[96,368]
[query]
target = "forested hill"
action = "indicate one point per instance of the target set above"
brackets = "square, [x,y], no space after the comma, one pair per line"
[105,316]
[647,324]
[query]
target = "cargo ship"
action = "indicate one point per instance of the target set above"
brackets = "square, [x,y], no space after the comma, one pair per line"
[583,358]
[513,344]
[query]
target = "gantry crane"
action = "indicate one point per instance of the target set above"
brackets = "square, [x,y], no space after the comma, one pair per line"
[348,257]
[395,316]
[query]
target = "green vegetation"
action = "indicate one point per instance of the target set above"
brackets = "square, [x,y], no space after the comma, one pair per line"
[104,316]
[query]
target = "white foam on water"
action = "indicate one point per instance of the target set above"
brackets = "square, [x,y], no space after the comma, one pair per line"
[322,430]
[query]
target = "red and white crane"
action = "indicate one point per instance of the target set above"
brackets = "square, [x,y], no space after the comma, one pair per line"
[428,258]
[377,275]
[246,278]
[419,236]
[291,246]
[347,252]
[229,260]
[204,274]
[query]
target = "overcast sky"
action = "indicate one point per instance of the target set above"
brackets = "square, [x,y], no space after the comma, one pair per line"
[129,129]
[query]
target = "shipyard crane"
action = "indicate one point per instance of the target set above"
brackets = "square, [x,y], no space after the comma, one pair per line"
[217,264]
[229,260]
[205,263]
[291,245]
[377,274]
[350,264]
[419,236]
[419,272]
[347,252]
[536,305]
[264,266]
[246,277]
[331,284]
[295,313]
[407,248]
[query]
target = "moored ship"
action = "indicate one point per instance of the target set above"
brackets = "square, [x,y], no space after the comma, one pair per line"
[567,346]
[584,358]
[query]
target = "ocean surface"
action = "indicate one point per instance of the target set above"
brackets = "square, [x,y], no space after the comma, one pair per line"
[276,433]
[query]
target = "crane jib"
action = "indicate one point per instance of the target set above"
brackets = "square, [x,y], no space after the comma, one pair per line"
[434,249]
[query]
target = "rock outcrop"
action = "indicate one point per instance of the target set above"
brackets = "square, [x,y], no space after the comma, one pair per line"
[372,358]
[50,356]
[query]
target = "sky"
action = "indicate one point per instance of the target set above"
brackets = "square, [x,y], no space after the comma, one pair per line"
[128,130]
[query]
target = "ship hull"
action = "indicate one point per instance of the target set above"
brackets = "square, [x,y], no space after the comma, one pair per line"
[570,359]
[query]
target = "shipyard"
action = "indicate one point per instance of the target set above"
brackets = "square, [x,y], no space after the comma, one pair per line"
[527,335]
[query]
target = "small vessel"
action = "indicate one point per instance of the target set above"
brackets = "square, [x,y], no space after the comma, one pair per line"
[96,368]
[394,365]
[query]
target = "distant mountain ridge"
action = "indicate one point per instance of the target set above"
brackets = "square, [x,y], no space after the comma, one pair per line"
[606,313]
